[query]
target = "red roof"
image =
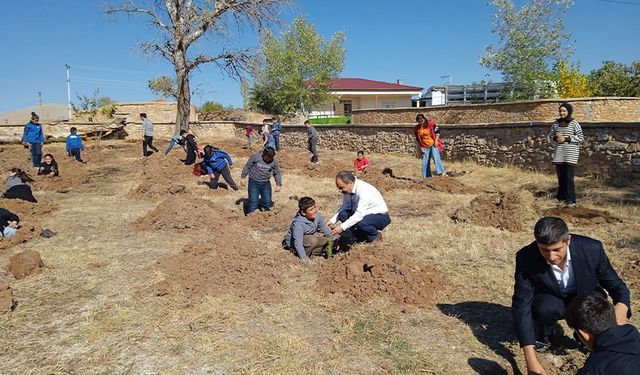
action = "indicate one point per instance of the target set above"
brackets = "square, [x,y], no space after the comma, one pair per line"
[360,84]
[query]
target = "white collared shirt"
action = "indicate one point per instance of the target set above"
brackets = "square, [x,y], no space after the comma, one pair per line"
[365,200]
[565,277]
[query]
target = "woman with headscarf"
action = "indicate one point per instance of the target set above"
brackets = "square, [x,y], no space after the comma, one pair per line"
[33,138]
[566,137]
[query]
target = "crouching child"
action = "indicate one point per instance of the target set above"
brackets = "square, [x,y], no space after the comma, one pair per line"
[308,234]
[218,162]
[74,145]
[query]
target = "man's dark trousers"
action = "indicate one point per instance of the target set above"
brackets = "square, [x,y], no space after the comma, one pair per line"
[367,229]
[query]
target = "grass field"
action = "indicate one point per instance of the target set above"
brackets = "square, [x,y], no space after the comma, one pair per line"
[153,273]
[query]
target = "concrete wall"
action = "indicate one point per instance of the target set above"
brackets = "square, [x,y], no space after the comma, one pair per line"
[611,150]
[584,110]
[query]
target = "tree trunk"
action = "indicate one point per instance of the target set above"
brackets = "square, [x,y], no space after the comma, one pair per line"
[183,96]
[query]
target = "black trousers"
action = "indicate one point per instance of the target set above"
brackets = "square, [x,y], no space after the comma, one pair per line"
[148,141]
[191,156]
[226,174]
[566,187]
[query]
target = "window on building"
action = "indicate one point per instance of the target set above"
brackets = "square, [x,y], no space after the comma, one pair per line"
[388,104]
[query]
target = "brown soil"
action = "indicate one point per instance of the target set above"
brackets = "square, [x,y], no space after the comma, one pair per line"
[30,215]
[26,263]
[512,211]
[6,297]
[385,180]
[376,271]
[228,264]
[181,213]
[582,216]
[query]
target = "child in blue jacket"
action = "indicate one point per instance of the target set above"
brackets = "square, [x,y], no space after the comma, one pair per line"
[218,163]
[74,145]
[33,138]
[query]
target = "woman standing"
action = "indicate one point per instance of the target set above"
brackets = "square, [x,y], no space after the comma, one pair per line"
[429,144]
[33,138]
[566,137]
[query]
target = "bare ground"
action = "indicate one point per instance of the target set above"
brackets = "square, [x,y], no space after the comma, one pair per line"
[150,272]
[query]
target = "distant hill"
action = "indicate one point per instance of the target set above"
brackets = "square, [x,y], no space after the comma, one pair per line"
[48,112]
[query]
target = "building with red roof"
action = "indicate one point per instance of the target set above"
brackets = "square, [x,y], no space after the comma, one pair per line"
[360,93]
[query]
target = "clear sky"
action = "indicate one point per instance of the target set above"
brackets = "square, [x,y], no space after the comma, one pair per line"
[416,41]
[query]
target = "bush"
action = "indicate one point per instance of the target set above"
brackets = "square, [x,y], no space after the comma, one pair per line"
[108,110]
[331,120]
[209,107]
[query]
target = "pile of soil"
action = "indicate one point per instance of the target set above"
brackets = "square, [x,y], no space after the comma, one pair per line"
[26,263]
[374,271]
[152,190]
[386,180]
[181,213]
[512,211]
[298,163]
[582,216]
[229,264]
[30,215]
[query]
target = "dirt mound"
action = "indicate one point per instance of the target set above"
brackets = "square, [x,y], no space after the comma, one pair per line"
[26,263]
[512,211]
[181,213]
[151,190]
[371,271]
[30,215]
[386,180]
[298,162]
[230,263]
[582,216]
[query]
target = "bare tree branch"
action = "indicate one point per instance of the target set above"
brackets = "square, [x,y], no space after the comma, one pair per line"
[130,7]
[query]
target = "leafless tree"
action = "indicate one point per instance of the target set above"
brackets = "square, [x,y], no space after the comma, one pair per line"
[183,22]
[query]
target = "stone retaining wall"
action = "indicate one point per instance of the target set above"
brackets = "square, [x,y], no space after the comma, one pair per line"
[584,110]
[610,150]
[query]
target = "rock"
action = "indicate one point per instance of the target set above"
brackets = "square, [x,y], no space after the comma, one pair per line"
[630,138]
[6,298]
[613,145]
[26,263]
[176,189]
[47,233]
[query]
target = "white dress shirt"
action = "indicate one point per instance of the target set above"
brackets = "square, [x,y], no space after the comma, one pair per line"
[565,277]
[365,200]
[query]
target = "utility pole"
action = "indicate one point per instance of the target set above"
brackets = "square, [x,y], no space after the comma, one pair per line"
[40,102]
[68,90]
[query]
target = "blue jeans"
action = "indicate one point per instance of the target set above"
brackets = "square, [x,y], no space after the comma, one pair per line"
[366,230]
[36,154]
[259,195]
[75,152]
[270,144]
[427,154]
[171,144]
[276,139]
[8,232]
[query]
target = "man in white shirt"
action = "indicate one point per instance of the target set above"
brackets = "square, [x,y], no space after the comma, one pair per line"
[363,212]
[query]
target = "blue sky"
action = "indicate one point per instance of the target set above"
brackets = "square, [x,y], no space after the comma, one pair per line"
[416,41]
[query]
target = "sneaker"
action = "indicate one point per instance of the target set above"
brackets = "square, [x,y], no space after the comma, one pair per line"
[569,204]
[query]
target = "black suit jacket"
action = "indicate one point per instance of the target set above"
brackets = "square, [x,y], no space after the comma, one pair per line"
[592,271]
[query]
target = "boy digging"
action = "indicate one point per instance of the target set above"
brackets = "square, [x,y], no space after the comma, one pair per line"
[308,234]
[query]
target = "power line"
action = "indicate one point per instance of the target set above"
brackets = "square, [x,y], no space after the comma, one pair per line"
[621,2]
[110,69]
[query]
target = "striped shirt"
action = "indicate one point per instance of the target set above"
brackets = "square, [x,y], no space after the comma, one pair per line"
[569,150]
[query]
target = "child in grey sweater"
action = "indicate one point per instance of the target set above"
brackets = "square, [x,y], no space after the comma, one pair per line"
[308,234]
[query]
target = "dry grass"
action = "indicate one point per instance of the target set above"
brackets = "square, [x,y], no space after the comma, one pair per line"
[94,309]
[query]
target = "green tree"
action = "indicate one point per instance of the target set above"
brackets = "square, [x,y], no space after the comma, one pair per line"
[184,23]
[104,100]
[532,40]
[209,107]
[87,105]
[571,82]
[615,79]
[294,73]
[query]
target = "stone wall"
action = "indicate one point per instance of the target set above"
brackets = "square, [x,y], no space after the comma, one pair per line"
[584,110]
[610,150]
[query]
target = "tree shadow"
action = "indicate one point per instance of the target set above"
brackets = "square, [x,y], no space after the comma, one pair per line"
[490,323]
[486,367]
